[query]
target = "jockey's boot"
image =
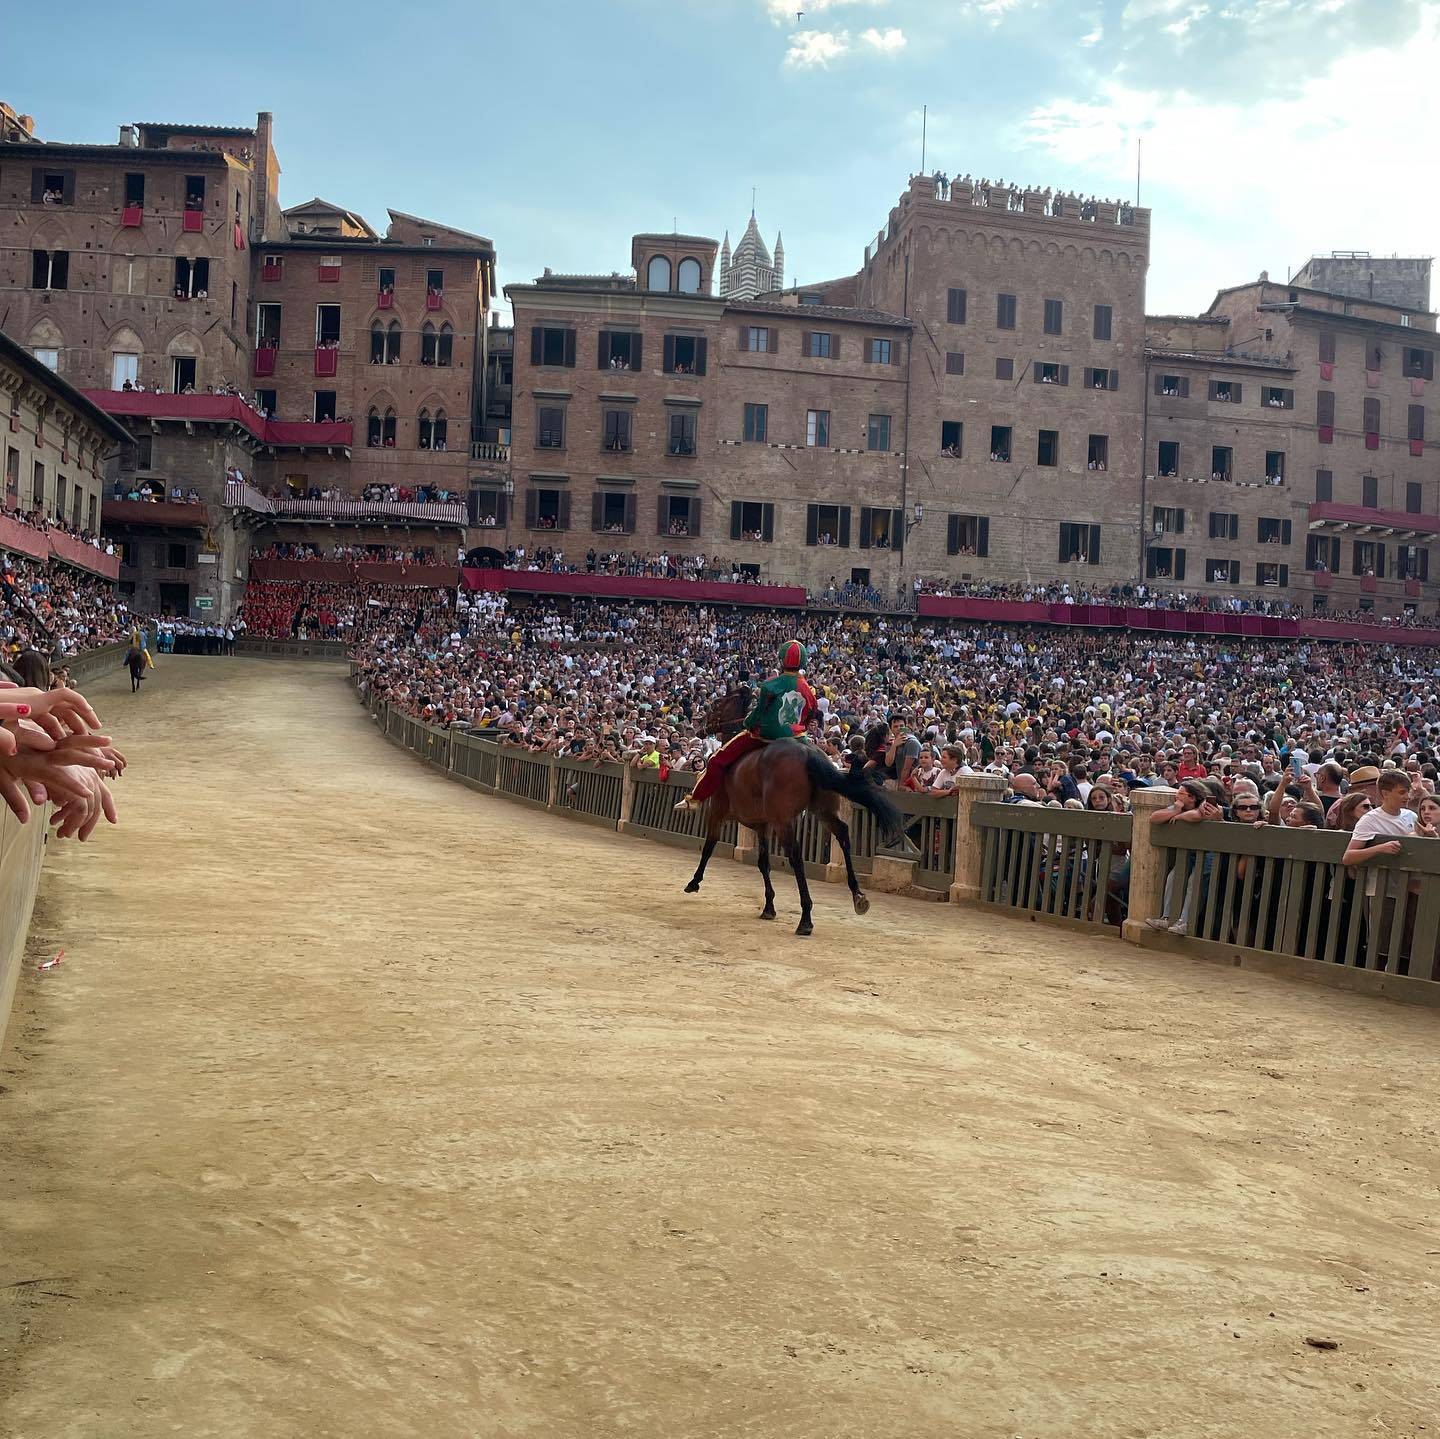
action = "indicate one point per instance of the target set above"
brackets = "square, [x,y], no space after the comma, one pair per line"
[688,803]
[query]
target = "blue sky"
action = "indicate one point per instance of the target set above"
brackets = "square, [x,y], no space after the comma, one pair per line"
[1272,128]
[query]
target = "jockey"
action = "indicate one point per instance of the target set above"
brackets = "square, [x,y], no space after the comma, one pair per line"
[783,709]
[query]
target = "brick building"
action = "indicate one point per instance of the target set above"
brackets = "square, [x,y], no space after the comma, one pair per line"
[159,272]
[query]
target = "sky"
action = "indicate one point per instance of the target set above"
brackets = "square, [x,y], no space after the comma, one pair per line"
[1269,130]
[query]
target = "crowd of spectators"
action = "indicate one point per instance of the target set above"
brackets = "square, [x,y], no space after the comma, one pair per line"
[53,608]
[42,523]
[306,609]
[372,554]
[154,492]
[636,563]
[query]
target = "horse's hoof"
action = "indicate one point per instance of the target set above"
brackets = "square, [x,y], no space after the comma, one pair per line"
[804,927]
[767,913]
[862,905]
[693,887]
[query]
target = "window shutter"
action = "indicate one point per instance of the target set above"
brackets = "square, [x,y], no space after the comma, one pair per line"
[660,517]
[564,509]
[669,354]
[812,524]
[597,511]
[1325,407]
[895,350]
[1327,347]
[982,539]
[1114,379]
[865,523]
[1379,561]
[1284,576]
[1035,374]
[1159,384]
[502,507]
[774,343]
[694,518]
[37,187]
[532,508]
[535,345]
[767,521]
[1064,374]
[1235,527]
[701,346]
[1284,532]
[844,527]
[602,356]
[569,349]
[1094,544]
[1184,387]
[1259,571]
[952,535]
[1234,572]
[1424,565]
[1236,390]
[637,351]
[897,529]
[60,270]
[744,337]
[1064,546]
[629,514]
[1335,553]
[1179,522]
[1416,422]
[835,347]
[1178,569]
[735,525]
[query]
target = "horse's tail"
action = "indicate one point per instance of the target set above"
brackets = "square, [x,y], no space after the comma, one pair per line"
[853,785]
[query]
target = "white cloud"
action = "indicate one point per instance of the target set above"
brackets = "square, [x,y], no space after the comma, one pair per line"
[815,49]
[782,12]
[1094,37]
[1237,185]
[887,42]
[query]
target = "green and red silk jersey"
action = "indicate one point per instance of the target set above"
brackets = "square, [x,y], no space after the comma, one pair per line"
[782,709]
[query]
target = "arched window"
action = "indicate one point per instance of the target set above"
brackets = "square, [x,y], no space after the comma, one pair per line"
[377,345]
[373,433]
[427,343]
[657,275]
[438,431]
[387,430]
[392,343]
[688,277]
[427,429]
[446,346]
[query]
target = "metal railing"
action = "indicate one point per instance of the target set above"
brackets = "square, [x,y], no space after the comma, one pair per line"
[1057,864]
[1274,890]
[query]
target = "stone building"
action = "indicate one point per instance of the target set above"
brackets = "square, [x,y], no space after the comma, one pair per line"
[1397,280]
[650,415]
[750,272]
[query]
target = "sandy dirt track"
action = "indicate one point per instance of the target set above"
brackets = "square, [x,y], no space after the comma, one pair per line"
[364,1105]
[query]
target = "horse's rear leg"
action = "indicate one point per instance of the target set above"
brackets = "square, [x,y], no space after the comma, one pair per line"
[797,864]
[841,831]
[763,859]
[694,886]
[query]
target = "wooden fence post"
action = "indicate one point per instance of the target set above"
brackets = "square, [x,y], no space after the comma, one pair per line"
[627,798]
[970,790]
[1147,862]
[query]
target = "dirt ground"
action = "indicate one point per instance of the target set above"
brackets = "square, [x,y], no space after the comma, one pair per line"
[365,1105]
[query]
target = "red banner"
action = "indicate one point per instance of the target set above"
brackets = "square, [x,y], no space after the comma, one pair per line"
[635,587]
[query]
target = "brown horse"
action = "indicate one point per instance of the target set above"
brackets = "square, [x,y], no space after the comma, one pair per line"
[769,789]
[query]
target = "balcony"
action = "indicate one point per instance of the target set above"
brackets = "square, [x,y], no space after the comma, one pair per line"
[194,222]
[225,409]
[327,360]
[163,514]
[1362,520]
[265,359]
[241,495]
[131,216]
[488,450]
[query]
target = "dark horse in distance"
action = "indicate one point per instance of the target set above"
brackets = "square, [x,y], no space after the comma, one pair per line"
[769,789]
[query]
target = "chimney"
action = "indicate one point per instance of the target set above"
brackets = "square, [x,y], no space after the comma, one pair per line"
[127,137]
[265,184]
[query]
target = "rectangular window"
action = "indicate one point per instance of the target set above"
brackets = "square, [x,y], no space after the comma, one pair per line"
[265,402]
[682,433]
[1325,408]
[757,423]
[1324,486]
[968,535]
[47,357]
[1274,397]
[324,406]
[1271,574]
[1326,341]
[1168,520]
[194,192]
[49,269]
[124,369]
[954,362]
[1222,572]
[617,431]
[677,515]
[1272,531]
[547,509]
[1412,497]
[1322,553]
[1000,438]
[1004,369]
[877,352]
[435,282]
[52,187]
[1415,424]
[684,355]
[817,428]
[1274,467]
[386,282]
[1101,379]
[613,512]
[135,189]
[752,520]
[37,488]
[1370,492]
[1222,462]
[177,556]
[1103,322]
[827,525]
[267,326]
[619,350]
[1047,449]
[552,347]
[1049,374]
[1371,411]
[192,279]
[1004,312]
[1164,563]
[1412,563]
[1098,452]
[879,529]
[1168,459]
[144,447]
[877,433]
[952,439]
[182,374]
[550,427]
[1224,526]
[1417,364]
[327,326]
[1054,317]
[1079,544]
[955,303]
[1225,392]
[819,345]
[1173,387]
[756,339]
[1368,559]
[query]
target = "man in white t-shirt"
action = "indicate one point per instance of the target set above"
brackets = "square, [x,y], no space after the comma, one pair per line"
[1379,831]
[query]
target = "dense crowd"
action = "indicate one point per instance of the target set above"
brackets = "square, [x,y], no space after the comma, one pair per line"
[309,609]
[51,607]
[381,554]
[42,523]
[643,564]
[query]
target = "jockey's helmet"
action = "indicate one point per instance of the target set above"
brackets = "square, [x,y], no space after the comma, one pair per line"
[793,656]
